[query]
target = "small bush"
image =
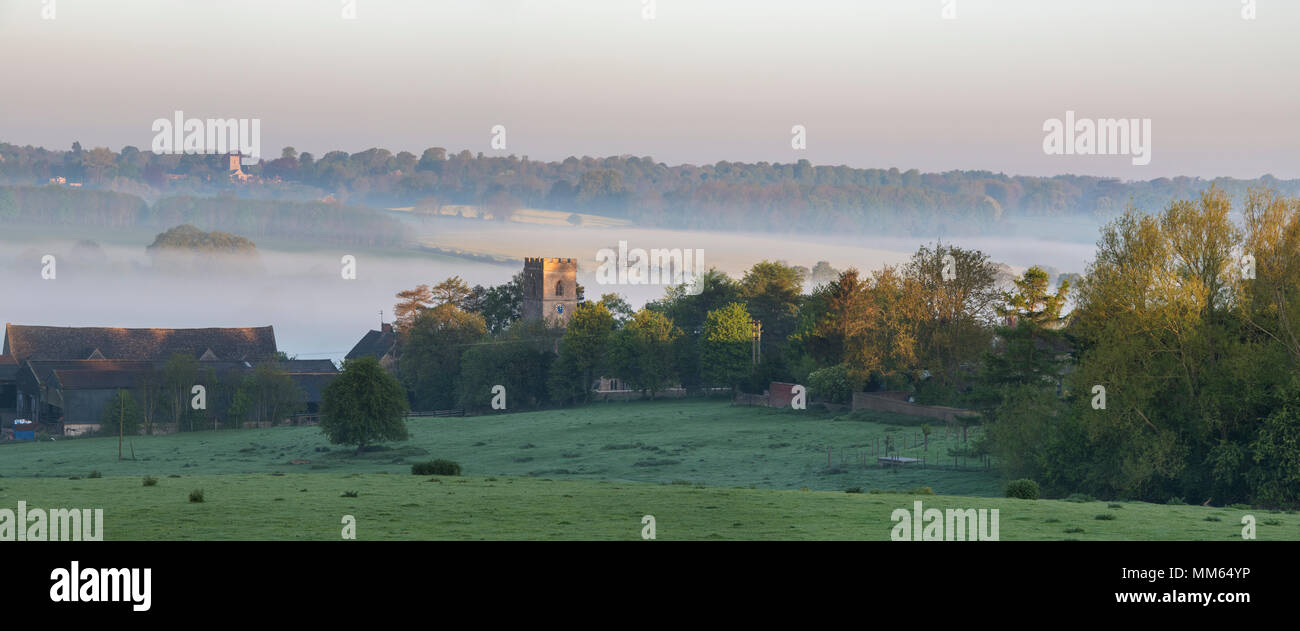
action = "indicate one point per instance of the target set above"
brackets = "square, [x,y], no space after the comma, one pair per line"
[1272,522]
[1105,516]
[1114,506]
[1023,488]
[853,489]
[196,495]
[349,494]
[149,481]
[95,474]
[921,490]
[173,475]
[436,467]
[1175,501]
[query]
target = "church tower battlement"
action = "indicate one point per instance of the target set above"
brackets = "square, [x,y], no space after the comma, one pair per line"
[550,288]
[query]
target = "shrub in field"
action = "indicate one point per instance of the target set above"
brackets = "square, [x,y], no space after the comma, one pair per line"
[436,467]
[921,490]
[835,384]
[149,481]
[1023,488]
[196,495]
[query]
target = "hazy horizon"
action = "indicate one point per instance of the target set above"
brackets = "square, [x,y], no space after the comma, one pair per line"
[878,84]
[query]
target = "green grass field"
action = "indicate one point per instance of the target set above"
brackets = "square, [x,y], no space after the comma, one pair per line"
[705,470]
[711,443]
[311,506]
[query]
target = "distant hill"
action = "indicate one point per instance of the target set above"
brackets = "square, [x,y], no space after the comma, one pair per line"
[189,238]
[741,196]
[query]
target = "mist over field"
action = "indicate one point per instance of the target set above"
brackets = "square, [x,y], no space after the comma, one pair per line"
[297,287]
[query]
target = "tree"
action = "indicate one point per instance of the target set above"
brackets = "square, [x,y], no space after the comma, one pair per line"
[432,159]
[452,291]
[430,354]
[582,352]
[519,359]
[410,303]
[726,350]
[149,393]
[121,408]
[363,405]
[771,292]
[503,305]
[958,306]
[618,307]
[641,353]
[1031,301]
[179,376]
[267,396]
[823,273]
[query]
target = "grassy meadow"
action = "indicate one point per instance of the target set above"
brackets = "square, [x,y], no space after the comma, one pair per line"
[711,443]
[705,470]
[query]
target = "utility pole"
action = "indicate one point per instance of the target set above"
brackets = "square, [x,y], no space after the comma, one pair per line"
[121,414]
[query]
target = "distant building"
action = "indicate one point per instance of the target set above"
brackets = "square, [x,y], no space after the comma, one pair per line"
[235,167]
[62,378]
[550,289]
[381,344]
[68,343]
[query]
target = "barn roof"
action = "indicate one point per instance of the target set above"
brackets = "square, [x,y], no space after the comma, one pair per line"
[375,344]
[313,384]
[8,367]
[308,365]
[66,343]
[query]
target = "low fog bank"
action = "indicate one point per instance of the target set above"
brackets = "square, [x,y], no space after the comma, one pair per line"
[1068,250]
[318,314]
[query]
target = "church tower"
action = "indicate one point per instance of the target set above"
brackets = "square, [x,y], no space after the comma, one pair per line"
[550,289]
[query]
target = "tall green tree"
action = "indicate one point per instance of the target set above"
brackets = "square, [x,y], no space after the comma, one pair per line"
[430,352]
[363,405]
[726,351]
[642,352]
[583,352]
[121,409]
[180,374]
[519,359]
[771,292]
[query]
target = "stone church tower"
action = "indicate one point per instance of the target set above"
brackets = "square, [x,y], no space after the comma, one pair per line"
[550,289]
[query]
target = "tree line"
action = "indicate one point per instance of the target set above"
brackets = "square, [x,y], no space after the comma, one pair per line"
[724,195]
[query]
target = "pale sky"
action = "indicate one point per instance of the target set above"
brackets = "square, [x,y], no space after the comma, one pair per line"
[876,83]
